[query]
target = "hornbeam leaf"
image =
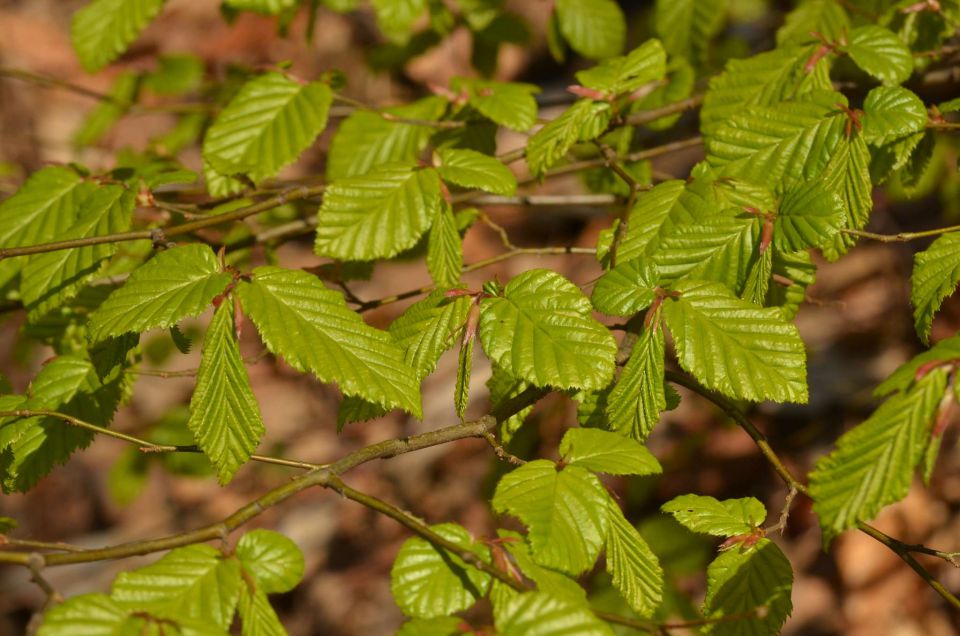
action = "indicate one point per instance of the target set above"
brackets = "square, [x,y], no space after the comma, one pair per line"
[257,615]
[880,53]
[727,518]
[634,567]
[848,174]
[50,279]
[511,105]
[268,123]
[540,614]
[428,581]
[103,29]
[826,17]
[196,581]
[176,283]
[444,249]
[564,511]
[583,121]
[290,308]
[273,561]
[224,414]
[472,169]
[873,463]
[686,26]
[755,580]
[945,351]
[809,216]
[607,452]
[267,7]
[735,347]
[379,214]
[625,289]
[891,113]
[594,28]
[540,330]
[634,405]
[617,76]
[41,210]
[428,328]
[936,272]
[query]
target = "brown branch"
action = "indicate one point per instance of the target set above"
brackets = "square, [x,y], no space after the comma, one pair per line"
[901,236]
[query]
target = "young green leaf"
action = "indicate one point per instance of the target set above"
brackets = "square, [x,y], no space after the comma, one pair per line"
[502,387]
[103,29]
[379,214]
[549,581]
[621,75]
[471,169]
[396,17]
[461,392]
[637,399]
[757,580]
[706,515]
[826,17]
[50,279]
[848,174]
[444,249]
[809,216]
[41,210]
[273,561]
[626,289]
[540,614]
[541,330]
[594,28]
[224,413]
[101,119]
[735,347]
[687,26]
[880,53]
[944,352]
[873,463]
[196,581]
[936,272]
[440,626]
[634,567]
[428,328]
[266,7]
[257,615]
[176,283]
[583,121]
[91,615]
[564,511]
[891,113]
[607,452]
[270,121]
[510,105]
[796,272]
[366,140]
[428,581]
[290,306]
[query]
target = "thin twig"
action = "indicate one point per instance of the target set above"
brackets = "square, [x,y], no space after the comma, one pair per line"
[901,236]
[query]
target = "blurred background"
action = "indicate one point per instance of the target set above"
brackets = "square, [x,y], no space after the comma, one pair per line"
[857,324]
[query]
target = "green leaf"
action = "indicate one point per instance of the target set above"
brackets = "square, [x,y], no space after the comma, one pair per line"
[444,249]
[621,75]
[891,113]
[224,413]
[637,399]
[461,391]
[196,581]
[366,140]
[428,581]
[706,515]
[267,7]
[471,169]
[873,463]
[41,210]
[428,328]
[583,121]
[606,452]
[848,174]
[48,280]
[936,272]
[379,214]
[101,119]
[735,347]
[594,28]
[799,270]
[292,307]
[511,105]
[549,581]
[757,285]
[539,614]
[257,615]
[626,289]
[178,282]
[825,17]
[944,351]
[541,330]
[440,626]
[634,567]
[564,511]
[7,524]
[755,580]
[687,26]
[103,29]
[880,53]
[274,561]
[88,614]
[396,17]
[780,145]
[267,124]
[762,80]
[502,387]
[809,216]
